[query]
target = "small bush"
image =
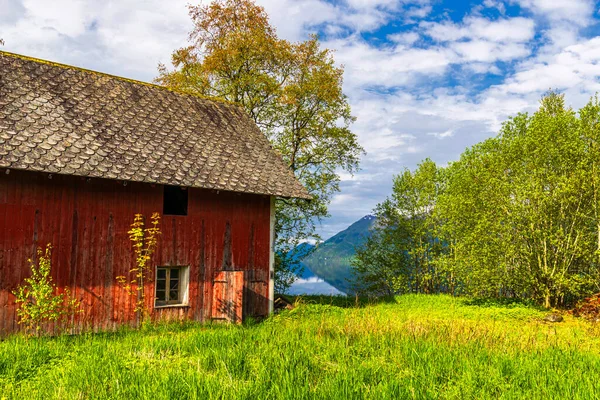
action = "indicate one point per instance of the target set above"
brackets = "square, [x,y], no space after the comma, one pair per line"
[38,299]
[144,240]
[588,308]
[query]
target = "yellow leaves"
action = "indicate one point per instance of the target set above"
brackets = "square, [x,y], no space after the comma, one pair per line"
[144,240]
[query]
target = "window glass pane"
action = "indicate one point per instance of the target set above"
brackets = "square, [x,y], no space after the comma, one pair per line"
[161,284]
[161,273]
[174,273]
[174,295]
[160,295]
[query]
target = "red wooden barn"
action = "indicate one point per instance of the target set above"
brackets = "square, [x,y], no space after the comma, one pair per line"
[82,152]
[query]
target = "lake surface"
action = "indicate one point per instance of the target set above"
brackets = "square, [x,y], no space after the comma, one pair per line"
[313,285]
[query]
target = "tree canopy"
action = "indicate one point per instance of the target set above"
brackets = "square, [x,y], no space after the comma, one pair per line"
[516,216]
[293,91]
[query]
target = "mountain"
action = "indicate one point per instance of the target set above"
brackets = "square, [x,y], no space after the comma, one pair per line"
[330,261]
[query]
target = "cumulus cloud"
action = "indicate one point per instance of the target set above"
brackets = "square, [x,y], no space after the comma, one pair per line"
[516,29]
[487,51]
[405,38]
[578,11]
[124,37]
[369,65]
[576,67]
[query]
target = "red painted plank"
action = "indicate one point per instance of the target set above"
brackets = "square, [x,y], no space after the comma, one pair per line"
[4,257]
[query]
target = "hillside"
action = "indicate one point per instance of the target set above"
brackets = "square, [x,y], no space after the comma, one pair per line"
[331,259]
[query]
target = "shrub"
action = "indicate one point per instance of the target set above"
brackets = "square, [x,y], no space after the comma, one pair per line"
[144,242]
[589,308]
[39,300]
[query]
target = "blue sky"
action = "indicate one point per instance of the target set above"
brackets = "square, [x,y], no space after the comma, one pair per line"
[425,78]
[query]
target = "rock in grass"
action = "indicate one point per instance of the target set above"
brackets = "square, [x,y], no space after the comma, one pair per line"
[554,317]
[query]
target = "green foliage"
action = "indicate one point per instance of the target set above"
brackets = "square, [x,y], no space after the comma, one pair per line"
[517,216]
[400,256]
[519,212]
[590,133]
[144,242]
[293,91]
[39,300]
[414,347]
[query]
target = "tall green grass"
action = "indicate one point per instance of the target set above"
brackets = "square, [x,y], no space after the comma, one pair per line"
[409,347]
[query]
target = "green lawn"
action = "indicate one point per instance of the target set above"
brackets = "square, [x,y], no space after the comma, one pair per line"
[412,347]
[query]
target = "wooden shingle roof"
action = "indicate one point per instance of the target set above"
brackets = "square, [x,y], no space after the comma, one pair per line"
[65,120]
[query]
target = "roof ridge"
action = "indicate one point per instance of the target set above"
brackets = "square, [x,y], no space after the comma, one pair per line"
[121,78]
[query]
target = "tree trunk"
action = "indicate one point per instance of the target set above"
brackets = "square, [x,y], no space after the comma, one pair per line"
[547,299]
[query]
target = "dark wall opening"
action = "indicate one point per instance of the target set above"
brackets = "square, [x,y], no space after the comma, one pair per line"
[175,201]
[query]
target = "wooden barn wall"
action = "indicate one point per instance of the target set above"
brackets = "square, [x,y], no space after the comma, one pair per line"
[87,221]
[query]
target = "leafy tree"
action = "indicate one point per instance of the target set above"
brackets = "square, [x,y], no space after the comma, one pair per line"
[469,210]
[590,132]
[516,216]
[518,209]
[400,256]
[293,91]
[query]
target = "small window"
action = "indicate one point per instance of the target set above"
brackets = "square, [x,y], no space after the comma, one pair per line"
[171,286]
[175,201]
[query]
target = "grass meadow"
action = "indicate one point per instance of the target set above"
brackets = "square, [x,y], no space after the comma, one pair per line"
[414,346]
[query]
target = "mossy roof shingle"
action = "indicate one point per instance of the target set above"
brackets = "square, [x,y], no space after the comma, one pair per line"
[65,120]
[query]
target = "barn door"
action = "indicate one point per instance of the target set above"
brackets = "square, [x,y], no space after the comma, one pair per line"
[228,296]
[256,293]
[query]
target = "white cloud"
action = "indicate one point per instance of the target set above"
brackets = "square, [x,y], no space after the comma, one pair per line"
[51,15]
[578,11]
[370,4]
[485,51]
[367,65]
[343,198]
[404,38]
[483,68]
[497,4]
[516,29]
[563,20]
[124,37]
[577,67]
[293,18]
[442,135]
[413,13]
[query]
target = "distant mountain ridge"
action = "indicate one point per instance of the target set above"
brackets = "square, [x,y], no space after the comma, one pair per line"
[330,260]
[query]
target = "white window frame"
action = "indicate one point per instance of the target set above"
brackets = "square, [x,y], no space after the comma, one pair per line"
[184,285]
